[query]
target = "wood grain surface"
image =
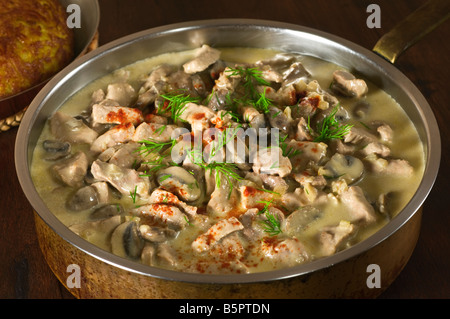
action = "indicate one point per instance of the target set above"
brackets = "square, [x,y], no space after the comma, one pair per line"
[23,270]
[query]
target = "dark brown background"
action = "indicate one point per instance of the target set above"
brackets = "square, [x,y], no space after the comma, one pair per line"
[23,271]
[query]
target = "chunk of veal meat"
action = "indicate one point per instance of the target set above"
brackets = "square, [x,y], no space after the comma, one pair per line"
[102,114]
[385,131]
[160,133]
[70,129]
[164,214]
[159,74]
[302,131]
[359,135]
[126,181]
[332,237]
[279,61]
[359,207]
[71,171]
[124,155]
[198,116]
[287,252]
[271,161]
[295,73]
[154,85]
[229,249]
[255,119]
[274,183]
[204,57]
[122,93]
[161,196]
[215,233]
[251,197]
[376,148]
[121,133]
[224,198]
[345,83]
[302,153]
[394,167]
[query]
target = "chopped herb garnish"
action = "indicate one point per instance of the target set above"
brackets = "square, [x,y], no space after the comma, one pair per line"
[133,194]
[272,224]
[223,139]
[164,177]
[161,130]
[177,104]
[330,128]
[287,151]
[151,146]
[252,77]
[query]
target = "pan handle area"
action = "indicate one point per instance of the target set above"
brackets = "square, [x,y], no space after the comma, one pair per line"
[413,28]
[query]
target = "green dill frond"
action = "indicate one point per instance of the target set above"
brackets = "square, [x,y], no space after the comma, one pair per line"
[272,224]
[330,128]
[252,77]
[177,103]
[151,146]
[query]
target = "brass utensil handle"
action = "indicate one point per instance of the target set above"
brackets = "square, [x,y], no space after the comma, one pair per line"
[410,30]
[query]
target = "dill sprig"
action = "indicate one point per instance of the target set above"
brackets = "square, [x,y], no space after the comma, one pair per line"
[154,166]
[330,128]
[224,138]
[177,103]
[152,146]
[287,151]
[231,108]
[228,170]
[252,77]
[222,169]
[133,194]
[272,224]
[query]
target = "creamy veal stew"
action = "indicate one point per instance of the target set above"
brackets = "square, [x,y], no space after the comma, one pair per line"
[228,160]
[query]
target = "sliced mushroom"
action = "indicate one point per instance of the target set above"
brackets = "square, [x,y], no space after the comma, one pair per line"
[179,181]
[126,240]
[300,219]
[278,119]
[106,211]
[156,234]
[56,149]
[346,167]
[84,198]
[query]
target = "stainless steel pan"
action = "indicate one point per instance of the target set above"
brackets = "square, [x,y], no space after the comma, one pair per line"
[344,274]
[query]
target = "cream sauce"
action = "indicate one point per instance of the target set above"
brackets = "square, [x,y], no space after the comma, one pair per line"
[406,144]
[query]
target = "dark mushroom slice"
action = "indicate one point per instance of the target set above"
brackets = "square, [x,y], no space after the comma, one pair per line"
[156,234]
[106,211]
[126,240]
[56,149]
[84,198]
[347,167]
[278,119]
[300,219]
